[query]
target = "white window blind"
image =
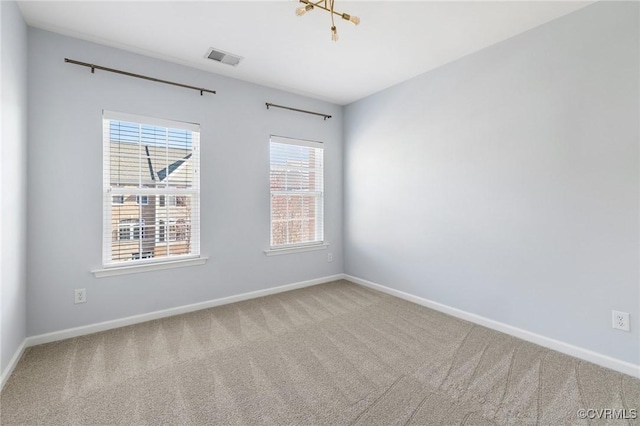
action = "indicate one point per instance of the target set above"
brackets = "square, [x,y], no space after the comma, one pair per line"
[147,161]
[297,192]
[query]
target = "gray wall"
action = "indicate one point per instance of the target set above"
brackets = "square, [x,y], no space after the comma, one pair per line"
[13,181]
[506,183]
[65,183]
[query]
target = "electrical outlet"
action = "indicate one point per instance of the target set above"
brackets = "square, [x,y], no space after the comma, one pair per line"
[329,257]
[620,320]
[80,295]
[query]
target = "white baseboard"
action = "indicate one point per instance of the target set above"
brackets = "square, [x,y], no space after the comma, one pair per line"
[12,364]
[585,354]
[122,322]
[556,345]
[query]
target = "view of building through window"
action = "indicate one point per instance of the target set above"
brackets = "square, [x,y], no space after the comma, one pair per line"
[296,182]
[151,190]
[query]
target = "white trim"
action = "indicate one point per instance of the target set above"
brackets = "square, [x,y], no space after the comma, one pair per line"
[152,121]
[295,249]
[123,322]
[145,267]
[12,363]
[295,141]
[556,345]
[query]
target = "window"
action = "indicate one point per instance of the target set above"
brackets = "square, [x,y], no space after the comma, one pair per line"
[146,161]
[297,186]
[131,229]
[162,232]
[145,255]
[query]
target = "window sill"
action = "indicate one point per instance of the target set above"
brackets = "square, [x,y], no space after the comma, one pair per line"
[135,269]
[298,249]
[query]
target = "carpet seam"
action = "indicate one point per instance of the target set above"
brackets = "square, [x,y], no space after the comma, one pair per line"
[377,399]
[453,358]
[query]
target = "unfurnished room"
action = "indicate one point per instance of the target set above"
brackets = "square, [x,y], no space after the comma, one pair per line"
[320,212]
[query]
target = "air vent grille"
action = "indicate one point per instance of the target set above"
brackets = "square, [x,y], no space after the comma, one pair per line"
[223,57]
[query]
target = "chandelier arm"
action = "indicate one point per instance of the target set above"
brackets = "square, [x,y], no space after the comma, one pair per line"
[332,12]
[321,7]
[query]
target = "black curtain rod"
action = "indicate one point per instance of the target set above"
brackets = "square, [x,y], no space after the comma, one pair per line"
[298,110]
[130,74]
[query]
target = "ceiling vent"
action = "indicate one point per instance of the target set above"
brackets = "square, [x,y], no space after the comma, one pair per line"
[224,57]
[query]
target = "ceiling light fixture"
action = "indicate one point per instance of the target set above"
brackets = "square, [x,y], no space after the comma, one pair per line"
[327,5]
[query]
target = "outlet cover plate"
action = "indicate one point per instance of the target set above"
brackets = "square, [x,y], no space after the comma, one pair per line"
[620,320]
[80,295]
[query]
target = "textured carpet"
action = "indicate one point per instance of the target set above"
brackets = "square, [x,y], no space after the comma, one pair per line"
[335,353]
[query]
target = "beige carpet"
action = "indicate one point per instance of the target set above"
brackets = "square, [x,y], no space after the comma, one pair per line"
[335,353]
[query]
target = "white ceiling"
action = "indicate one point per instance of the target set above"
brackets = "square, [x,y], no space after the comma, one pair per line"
[394,42]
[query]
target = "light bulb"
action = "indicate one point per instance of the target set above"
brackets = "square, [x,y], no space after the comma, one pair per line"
[334,34]
[353,19]
[304,9]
